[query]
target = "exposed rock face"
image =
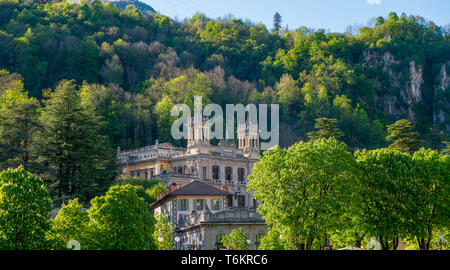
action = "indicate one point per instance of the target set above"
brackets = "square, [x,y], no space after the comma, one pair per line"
[403,94]
[444,78]
[415,95]
[441,104]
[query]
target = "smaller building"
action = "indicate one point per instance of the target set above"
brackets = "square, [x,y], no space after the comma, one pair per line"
[201,216]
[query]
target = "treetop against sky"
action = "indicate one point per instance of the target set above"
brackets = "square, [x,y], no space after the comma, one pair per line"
[333,15]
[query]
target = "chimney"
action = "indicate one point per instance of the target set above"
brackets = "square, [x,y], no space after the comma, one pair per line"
[223,188]
[179,186]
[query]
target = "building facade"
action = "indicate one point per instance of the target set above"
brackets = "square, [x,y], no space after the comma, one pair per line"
[201,215]
[222,165]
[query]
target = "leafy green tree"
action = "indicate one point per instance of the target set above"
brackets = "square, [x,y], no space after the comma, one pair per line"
[326,128]
[305,189]
[165,120]
[164,231]
[24,210]
[137,181]
[235,240]
[277,239]
[18,127]
[155,190]
[431,204]
[71,223]
[121,220]
[289,95]
[78,156]
[403,137]
[388,195]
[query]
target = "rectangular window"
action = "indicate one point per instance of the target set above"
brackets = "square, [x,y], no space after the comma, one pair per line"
[216,205]
[215,172]
[204,172]
[183,205]
[241,201]
[228,173]
[230,200]
[199,204]
[241,174]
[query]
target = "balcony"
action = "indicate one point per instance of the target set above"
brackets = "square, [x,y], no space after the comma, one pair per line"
[178,175]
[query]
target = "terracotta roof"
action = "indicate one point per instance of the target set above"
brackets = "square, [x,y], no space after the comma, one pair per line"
[198,188]
[193,188]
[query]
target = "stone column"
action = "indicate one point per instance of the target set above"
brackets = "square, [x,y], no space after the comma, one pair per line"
[157,168]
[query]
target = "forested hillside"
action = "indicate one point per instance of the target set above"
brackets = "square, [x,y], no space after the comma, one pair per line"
[128,69]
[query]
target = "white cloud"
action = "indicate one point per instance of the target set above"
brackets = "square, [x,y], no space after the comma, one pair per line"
[374,2]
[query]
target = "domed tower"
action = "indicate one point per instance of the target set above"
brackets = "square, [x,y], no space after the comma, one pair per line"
[198,135]
[248,139]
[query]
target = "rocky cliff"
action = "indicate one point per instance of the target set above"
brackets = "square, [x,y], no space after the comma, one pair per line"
[402,88]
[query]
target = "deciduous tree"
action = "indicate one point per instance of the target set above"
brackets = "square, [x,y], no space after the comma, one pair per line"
[24,210]
[121,220]
[306,189]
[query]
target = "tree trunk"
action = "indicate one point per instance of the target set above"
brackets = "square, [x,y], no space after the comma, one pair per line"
[309,243]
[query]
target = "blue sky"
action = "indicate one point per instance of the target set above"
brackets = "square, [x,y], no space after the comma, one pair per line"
[333,15]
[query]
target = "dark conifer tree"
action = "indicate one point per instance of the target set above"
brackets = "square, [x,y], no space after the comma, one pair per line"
[403,137]
[325,128]
[79,158]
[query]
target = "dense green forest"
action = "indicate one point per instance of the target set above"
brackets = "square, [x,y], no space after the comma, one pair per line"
[78,81]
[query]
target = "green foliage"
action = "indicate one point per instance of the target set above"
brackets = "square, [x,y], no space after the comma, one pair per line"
[235,240]
[164,231]
[78,157]
[306,189]
[137,181]
[155,190]
[18,124]
[71,223]
[147,189]
[130,61]
[432,210]
[24,210]
[118,220]
[389,194]
[402,137]
[276,239]
[165,120]
[121,220]
[326,128]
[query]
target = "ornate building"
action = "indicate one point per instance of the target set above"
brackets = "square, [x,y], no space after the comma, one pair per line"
[224,168]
